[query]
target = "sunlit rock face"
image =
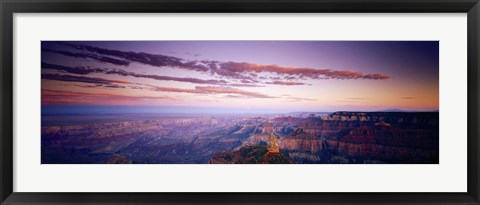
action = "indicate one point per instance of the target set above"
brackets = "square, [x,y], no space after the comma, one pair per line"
[272,144]
[254,154]
[250,154]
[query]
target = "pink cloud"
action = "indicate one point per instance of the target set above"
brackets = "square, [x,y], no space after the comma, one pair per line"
[287,83]
[70,97]
[214,90]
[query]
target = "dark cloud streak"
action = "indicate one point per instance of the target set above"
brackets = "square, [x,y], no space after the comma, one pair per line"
[81,79]
[89,70]
[233,70]
[142,57]
[103,59]
[74,70]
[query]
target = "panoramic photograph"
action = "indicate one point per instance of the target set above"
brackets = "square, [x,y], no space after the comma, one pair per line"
[239,102]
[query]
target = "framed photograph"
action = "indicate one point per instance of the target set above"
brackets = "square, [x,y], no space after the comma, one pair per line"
[241,102]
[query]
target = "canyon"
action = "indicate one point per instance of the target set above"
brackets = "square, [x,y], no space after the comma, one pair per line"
[290,138]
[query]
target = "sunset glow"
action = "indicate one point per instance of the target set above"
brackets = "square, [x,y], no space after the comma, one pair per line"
[242,76]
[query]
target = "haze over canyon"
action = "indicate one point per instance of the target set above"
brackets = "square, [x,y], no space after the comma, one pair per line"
[339,137]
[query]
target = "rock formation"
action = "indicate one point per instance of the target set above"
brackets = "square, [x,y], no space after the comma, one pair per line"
[273,144]
[250,154]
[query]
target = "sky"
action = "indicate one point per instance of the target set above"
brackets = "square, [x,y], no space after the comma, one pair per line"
[240,76]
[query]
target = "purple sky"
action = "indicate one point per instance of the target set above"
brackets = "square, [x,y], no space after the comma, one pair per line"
[281,76]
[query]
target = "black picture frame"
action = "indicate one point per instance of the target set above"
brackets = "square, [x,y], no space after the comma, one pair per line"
[9,7]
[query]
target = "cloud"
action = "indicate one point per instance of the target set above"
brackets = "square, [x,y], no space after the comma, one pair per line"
[192,54]
[82,79]
[290,98]
[356,98]
[88,55]
[243,85]
[235,96]
[166,78]
[75,70]
[178,90]
[233,70]
[114,86]
[227,90]
[408,98]
[214,90]
[85,86]
[68,97]
[88,70]
[238,70]
[48,92]
[287,83]
[157,60]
